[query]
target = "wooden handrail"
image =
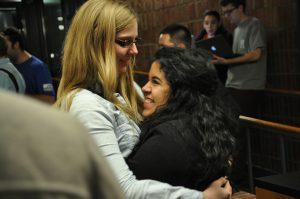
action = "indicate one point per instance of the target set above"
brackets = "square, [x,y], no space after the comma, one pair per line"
[140,72]
[283,91]
[274,125]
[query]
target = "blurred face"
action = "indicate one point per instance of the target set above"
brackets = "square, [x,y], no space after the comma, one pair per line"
[11,49]
[232,13]
[165,41]
[156,90]
[211,24]
[125,45]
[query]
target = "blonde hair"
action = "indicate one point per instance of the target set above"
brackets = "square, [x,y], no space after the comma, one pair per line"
[89,56]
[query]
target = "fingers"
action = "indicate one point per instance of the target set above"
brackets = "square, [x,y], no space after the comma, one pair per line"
[220,189]
[215,56]
[220,182]
[228,187]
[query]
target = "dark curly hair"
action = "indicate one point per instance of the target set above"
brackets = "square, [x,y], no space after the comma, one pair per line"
[207,128]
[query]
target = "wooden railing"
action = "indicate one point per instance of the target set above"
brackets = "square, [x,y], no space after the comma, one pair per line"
[273,125]
[140,72]
[283,91]
[280,130]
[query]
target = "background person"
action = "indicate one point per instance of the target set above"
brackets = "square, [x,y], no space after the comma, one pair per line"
[97,87]
[35,73]
[247,73]
[212,26]
[10,78]
[175,35]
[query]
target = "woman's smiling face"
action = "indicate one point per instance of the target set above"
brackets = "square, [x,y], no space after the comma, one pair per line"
[156,90]
[125,53]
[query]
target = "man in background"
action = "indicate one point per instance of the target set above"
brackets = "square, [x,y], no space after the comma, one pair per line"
[10,78]
[247,73]
[175,35]
[246,76]
[35,73]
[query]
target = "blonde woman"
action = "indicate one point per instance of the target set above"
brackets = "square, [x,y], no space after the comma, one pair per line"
[97,87]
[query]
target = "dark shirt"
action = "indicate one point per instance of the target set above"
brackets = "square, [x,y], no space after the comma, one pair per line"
[163,154]
[221,69]
[37,77]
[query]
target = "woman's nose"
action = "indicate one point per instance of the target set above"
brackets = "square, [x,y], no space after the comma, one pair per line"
[133,49]
[145,88]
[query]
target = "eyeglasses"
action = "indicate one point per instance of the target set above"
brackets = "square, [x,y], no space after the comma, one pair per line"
[128,42]
[228,12]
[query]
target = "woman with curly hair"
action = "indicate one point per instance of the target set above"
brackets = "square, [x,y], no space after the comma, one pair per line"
[187,136]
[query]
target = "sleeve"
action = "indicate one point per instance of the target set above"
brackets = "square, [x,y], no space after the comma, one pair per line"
[43,80]
[257,38]
[5,82]
[99,122]
[160,157]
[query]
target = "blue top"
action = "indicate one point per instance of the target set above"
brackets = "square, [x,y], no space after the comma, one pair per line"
[37,77]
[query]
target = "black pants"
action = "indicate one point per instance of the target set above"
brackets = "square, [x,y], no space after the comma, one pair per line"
[249,102]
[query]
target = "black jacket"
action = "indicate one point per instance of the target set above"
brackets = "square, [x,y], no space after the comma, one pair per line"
[164,154]
[220,31]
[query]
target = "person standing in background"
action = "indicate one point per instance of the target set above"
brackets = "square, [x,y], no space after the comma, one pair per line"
[247,74]
[212,26]
[35,72]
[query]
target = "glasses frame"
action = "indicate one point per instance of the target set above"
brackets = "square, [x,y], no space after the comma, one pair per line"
[125,43]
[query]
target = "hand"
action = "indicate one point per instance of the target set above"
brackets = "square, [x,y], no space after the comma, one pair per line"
[219,189]
[219,60]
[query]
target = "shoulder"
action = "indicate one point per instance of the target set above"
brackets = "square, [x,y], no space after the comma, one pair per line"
[35,64]
[86,99]
[36,60]
[171,128]
[87,106]
[7,65]
[255,22]
[4,77]
[172,124]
